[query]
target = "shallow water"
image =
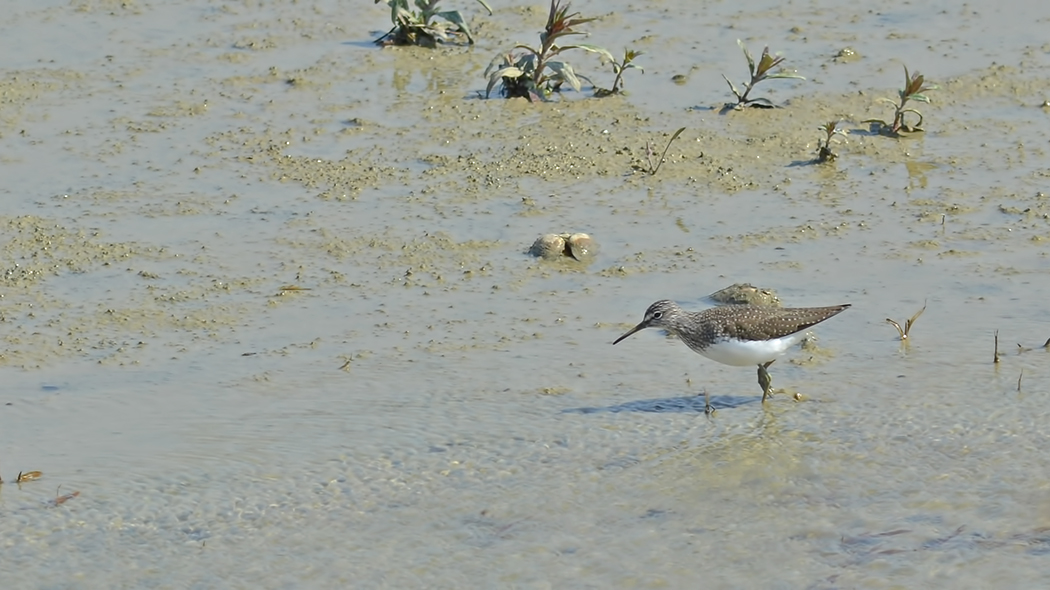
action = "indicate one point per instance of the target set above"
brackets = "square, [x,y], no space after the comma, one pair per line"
[437,408]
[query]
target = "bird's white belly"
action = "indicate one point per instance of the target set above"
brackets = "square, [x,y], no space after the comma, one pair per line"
[741,353]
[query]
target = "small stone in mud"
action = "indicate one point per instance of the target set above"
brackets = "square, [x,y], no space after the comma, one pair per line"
[847,55]
[679,79]
[746,293]
[551,246]
[548,246]
[582,246]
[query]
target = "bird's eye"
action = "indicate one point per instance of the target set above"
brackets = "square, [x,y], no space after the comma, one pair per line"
[657,315]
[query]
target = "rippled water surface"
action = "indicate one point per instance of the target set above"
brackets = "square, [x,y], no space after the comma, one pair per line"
[266,305]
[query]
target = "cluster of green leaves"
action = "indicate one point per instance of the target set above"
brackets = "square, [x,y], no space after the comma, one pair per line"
[759,71]
[914,89]
[420,27]
[830,129]
[539,71]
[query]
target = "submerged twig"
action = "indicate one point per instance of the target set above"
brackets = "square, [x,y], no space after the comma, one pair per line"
[1020,349]
[906,330]
[995,358]
[59,500]
[1019,380]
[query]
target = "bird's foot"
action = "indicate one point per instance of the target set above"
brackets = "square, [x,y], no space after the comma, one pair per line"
[708,408]
[765,381]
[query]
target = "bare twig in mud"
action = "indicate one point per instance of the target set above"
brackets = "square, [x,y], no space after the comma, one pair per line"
[649,152]
[1045,346]
[1019,380]
[995,358]
[906,330]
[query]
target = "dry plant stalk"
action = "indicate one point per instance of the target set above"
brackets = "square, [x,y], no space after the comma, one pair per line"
[906,330]
[60,500]
[1020,349]
[649,153]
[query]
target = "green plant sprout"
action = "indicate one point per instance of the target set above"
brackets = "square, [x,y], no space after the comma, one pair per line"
[759,72]
[618,69]
[913,90]
[830,129]
[420,28]
[536,72]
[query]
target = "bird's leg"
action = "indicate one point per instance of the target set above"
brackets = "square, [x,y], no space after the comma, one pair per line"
[765,381]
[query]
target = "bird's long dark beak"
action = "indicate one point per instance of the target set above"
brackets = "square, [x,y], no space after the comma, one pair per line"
[637,328]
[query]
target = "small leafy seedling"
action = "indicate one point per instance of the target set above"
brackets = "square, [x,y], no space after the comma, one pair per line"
[914,89]
[649,153]
[824,153]
[904,332]
[537,72]
[420,28]
[618,69]
[759,72]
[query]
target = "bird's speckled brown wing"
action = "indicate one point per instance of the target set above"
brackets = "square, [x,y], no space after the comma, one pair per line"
[753,322]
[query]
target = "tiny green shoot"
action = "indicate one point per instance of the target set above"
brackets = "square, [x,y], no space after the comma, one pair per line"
[759,71]
[914,89]
[619,68]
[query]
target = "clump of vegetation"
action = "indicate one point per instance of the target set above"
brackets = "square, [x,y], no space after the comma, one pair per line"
[759,72]
[539,71]
[618,69]
[830,129]
[421,28]
[914,87]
